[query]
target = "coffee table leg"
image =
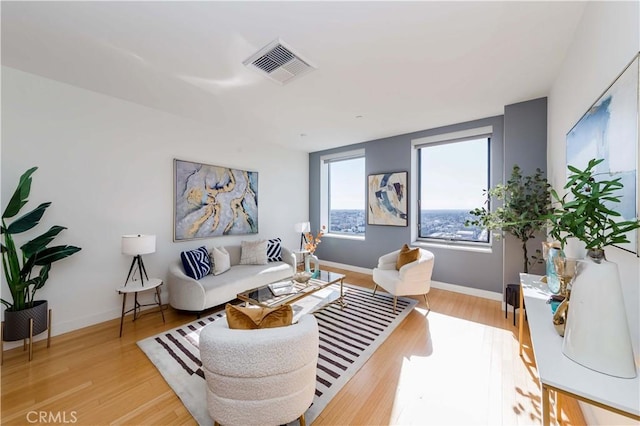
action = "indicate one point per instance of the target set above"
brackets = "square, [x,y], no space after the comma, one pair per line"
[341,299]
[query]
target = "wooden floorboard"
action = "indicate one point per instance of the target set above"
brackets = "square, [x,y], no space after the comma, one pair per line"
[457,364]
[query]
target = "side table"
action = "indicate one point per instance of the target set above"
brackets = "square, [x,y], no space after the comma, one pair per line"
[136,287]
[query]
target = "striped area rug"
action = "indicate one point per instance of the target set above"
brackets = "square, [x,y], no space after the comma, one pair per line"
[347,339]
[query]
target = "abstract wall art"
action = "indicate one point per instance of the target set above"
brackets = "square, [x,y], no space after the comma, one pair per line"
[388,199]
[609,130]
[210,201]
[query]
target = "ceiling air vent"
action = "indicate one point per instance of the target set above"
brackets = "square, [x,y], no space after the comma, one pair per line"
[278,62]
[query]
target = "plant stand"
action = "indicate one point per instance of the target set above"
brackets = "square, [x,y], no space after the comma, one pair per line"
[24,341]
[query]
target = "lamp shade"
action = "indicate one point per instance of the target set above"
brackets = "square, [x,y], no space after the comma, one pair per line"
[138,244]
[302,227]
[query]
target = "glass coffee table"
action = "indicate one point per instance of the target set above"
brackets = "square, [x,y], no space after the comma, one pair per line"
[263,296]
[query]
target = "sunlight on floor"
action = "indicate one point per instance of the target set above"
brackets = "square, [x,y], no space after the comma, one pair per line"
[461,379]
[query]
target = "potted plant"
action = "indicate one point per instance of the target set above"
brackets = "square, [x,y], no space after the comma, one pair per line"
[597,332]
[27,271]
[583,214]
[526,206]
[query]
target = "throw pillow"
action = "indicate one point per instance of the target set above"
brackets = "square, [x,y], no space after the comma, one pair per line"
[196,263]
[407,255]
[253,252]
[221,260]
[274,250]
[240,318]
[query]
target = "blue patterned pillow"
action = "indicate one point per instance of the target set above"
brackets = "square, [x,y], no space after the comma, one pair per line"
[196,263]
[274,250]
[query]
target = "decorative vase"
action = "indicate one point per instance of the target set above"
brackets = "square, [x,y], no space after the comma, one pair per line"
[597,334]
[554,255]
[16,323]
[308,260]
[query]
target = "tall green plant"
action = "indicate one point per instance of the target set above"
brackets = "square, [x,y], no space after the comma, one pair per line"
[526,204]
[18,268]
[582,212]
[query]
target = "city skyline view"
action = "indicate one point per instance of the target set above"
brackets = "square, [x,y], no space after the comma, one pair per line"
[444,224]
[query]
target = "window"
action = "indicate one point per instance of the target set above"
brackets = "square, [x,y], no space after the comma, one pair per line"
[343,207]
[452,178]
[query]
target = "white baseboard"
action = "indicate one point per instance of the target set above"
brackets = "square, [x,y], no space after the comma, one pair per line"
[485,294]
[347,267]
[87,321]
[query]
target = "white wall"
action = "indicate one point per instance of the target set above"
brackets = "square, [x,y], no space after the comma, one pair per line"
[107,166]
[605,42]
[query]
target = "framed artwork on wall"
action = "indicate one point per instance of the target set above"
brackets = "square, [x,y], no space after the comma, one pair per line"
[210,201]
[609,130]
[387,195]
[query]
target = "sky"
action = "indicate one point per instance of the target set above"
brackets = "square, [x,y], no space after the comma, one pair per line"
[456,175]
[455,179]
[348,185]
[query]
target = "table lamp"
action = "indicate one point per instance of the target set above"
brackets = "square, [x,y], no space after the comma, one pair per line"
[302,228]
[136,246]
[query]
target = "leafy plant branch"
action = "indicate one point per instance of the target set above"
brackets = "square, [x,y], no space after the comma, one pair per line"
[583,212]
[526,203]
[19,267]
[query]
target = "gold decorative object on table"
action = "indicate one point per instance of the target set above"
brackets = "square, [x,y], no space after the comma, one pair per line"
[560,316]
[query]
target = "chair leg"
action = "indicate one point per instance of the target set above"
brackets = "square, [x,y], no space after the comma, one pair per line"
[302,421]
[395,300]
[426,301]
[375,287]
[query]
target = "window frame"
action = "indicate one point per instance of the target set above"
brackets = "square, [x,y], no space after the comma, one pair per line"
[325,190]
[445,139]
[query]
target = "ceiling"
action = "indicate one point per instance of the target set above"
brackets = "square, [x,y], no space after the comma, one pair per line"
[383,68]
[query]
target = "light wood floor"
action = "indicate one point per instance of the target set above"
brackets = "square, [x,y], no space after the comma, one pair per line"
[457,365]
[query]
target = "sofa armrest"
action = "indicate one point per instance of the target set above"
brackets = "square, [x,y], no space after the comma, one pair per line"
[419,270]
[289,257]
[388,261]
[185,293]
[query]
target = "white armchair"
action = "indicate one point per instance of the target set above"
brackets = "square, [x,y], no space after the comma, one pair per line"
[412,278]
[260,377]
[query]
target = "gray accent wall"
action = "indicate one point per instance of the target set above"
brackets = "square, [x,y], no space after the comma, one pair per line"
[454,265]
[525,144]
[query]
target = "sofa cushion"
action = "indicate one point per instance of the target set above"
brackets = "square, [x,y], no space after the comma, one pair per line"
[254,252]
[252,318]
[274,250]
[196,263]
[221,260]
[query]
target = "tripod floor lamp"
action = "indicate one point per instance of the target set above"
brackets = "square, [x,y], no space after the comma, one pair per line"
[136,246]
[302,228]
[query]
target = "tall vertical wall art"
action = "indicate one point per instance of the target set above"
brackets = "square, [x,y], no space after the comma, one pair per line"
[609,130]
[211,201]
[387,194]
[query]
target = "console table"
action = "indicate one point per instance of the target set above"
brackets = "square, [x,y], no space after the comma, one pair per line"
[559,373]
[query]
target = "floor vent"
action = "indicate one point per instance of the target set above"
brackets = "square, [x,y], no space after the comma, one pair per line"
[278,62]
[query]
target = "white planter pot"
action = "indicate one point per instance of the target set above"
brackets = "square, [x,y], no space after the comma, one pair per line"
[597,333]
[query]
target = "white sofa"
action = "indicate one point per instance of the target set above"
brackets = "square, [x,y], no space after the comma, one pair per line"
[188,294]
